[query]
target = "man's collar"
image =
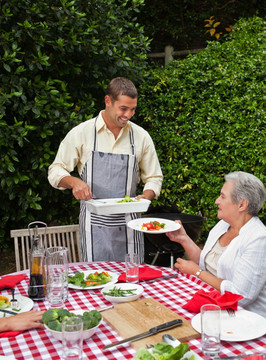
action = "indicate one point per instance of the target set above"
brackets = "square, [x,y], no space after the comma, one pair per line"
[100,124]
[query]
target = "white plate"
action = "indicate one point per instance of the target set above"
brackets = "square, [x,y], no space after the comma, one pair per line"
[111,206]
[25,304]
[123,286]
[113,281]
[169,225]
[244,326]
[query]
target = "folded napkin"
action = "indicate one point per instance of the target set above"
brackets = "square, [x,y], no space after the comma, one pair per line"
[145,273]
[10,333]
[10,281]
[201,297]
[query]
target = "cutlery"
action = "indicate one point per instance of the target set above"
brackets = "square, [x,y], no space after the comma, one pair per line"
[161,278]
[170,340]
[241,356]
[166,326]
[13,301]
[8,312]
[105,308]
[231,312]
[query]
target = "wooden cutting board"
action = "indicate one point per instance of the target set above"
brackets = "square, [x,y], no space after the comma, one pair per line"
[135,317]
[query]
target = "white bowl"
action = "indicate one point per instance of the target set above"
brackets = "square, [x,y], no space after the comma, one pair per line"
[86,333]
[123,286]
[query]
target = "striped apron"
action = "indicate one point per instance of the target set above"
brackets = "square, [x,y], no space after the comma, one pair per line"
[106,237]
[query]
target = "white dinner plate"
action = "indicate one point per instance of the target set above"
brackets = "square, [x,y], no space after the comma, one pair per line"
[87,272]
[169,225]
[112,206]
[244,326]
[24,302]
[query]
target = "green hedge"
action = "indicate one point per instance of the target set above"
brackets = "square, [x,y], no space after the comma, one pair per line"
[206,116]
[56,58]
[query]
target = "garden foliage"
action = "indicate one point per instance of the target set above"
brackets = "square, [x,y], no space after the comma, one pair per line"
[206,115]
[56,59]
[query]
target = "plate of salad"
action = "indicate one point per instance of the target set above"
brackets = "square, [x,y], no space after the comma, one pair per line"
[91,279]
[117,205]
[153,225]
[162,351]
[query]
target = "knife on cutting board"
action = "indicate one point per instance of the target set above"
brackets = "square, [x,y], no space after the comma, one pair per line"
[166,326]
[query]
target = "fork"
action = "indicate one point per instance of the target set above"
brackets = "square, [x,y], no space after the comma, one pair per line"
[231,312]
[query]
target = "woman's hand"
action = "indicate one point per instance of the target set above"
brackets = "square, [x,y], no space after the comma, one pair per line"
[186,266]
[23,321]
[180,236]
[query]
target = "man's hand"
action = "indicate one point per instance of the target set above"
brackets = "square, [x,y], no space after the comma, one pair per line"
[147,194]
[80,189]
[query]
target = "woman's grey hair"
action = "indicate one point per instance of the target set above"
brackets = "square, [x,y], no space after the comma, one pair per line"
[247,187]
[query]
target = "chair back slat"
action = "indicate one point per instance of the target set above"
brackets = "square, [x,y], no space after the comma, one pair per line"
[65,235]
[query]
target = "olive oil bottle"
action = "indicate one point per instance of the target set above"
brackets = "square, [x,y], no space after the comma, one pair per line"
[37,286]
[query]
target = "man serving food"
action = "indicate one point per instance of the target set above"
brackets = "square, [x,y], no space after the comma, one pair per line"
[111,154]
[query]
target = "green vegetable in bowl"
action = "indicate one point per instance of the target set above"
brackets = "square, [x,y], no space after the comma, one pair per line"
[53,318]
[116,291]
[127,198]
[163,351]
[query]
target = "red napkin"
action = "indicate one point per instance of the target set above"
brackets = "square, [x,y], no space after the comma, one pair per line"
[10,333]
[10,281]
[225,301]
[145,273]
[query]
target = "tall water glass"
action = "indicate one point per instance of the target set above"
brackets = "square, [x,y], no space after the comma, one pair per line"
[72,338]
[210,329]
[132,268]
[57,267]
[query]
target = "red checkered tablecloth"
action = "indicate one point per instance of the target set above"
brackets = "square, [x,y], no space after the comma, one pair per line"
[173,293]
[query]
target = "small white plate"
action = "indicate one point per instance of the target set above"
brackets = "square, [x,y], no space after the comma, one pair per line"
[112,206]
[123,286]
[25,304]
[87,272]
[169,225]
[244,326]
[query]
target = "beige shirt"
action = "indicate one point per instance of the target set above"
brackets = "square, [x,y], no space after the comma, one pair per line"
[76,147]
[213,256]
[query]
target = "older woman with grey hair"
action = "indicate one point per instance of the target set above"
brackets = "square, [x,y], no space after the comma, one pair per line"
[233,257]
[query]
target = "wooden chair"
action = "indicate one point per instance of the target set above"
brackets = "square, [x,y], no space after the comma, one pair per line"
[66,235]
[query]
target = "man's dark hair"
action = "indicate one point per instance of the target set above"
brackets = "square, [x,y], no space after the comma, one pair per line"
[121,86]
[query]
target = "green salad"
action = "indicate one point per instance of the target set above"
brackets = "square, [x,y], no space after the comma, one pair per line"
[93,279]
[164,351]
[127,198]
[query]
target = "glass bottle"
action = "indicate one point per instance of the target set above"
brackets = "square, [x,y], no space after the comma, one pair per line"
[37,286]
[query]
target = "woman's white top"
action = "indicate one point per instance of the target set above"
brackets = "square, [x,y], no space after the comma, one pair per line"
[243,263]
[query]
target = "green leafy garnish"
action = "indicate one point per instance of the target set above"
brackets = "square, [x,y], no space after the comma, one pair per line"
[127,198]
[163,351]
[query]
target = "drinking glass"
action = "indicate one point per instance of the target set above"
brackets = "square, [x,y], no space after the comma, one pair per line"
[210,329]
[57,268]
[132,268]
[72,338]
[55,289]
